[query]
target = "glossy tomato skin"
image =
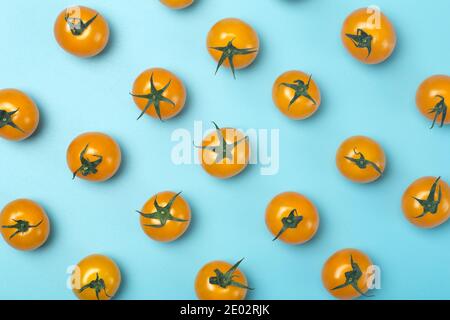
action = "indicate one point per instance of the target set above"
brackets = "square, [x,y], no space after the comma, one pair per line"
[370,149]
[281,206]
[282,96]
[420,189]
[31,212]
[379,27]
[243,36]
[334,269]
[177,4]
[176,92]
[91,41]
[25,114]
[225,168]
[172,230]
[427,96]
[97,144]
[86,271]
[208,291]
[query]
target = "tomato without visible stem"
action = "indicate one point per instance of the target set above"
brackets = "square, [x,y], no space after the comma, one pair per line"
[159,93]
[346,274]
[93,156]
[177,4]
[19,115]
[24,224]
[361,159]
[433,97]
[96,277]
[232,43]
[368,35]
[426,202]
[81,31]
[224,152]
[296,95]
[292,218]
[219,280]
[165,217]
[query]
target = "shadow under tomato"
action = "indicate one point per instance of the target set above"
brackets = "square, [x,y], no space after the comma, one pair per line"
[260,59]
[193,6]
[111,41]
[250,293]
[42,119]
[123,164]
[123,278]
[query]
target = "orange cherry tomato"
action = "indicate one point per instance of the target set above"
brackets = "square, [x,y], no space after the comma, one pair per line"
[24,224]
[292,218]
[296,95]
[224,152]
[159,93]
[96,277]
[177,4]
[19,115]
[433,97]
[81,31]
[368,35]
[93,156]
[233,44]
[165,217]
[361,159]
[219,280]
[346,274]
[426,202]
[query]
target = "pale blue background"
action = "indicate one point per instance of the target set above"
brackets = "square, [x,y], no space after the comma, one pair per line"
[77,95]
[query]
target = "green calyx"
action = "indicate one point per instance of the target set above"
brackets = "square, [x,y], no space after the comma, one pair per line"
[361,40]
[439,109]
[226,279]
[78,26]
[352,277]
[362,163]
[300,89]
[289,222]
[162,213]
[224,149]
[87,167]
[228,53]
[6,119]
[155,97]
[98,285]
[22,226]
[430,205]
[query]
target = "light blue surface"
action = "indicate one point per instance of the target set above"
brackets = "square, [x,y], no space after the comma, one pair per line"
[77,95]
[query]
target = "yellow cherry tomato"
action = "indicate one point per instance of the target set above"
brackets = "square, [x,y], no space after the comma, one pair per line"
[165,217]
[177,4]
[94,156]
[368,35]
[426,202]
[292,218]
[296,95]
[96,277]
[81,31]
[232,43]
[219,280]
[159,93]
[433,97]
[24,224]
[19,115]
[224,152]
[361,159]
[346,274]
